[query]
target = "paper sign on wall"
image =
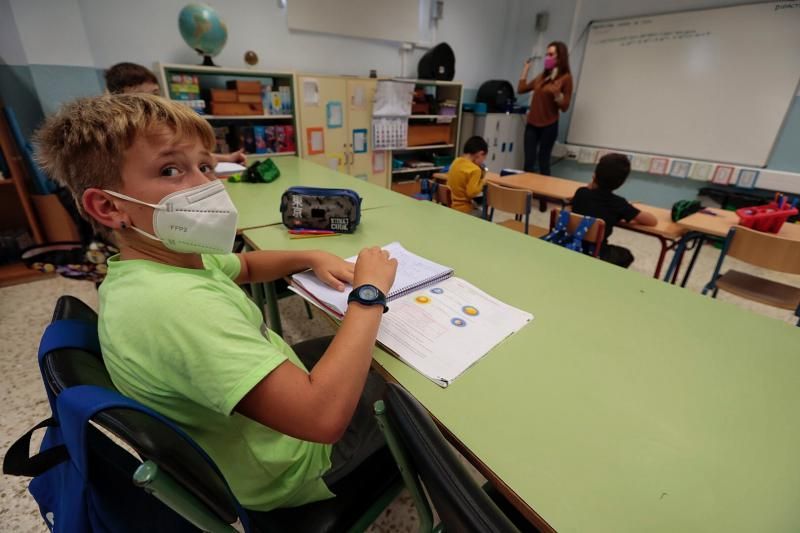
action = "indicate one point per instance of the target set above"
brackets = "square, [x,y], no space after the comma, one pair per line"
[310,91]
[334,114]
[360,141]
[701,171]
[722,175]
[359,100]
[658,165]
[680,169]
[747,178]
[378,162]
[586,155]
[334,160]
[640,163]
[315,138]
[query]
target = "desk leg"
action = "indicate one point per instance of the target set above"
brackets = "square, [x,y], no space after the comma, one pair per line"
[700,240]
[672,270]
[273,314]
[661,256]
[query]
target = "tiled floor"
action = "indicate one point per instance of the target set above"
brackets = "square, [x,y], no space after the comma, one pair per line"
[26,309]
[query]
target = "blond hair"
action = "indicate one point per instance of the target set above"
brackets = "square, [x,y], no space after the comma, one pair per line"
[83,145]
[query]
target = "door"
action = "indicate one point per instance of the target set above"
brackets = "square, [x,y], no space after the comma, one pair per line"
[324,118]
[365,163]
[489,127]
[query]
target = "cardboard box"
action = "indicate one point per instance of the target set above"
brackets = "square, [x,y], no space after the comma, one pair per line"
[247,98]
[236,108]
[426,134]
[223,95]
[245,86]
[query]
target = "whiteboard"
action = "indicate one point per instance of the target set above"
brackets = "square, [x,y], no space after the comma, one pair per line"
[712,84]
[386,20]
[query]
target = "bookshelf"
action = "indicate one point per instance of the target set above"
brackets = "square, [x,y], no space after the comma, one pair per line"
[270,133]
[19,226]
[427,121]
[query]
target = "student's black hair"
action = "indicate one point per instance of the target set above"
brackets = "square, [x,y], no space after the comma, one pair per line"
[124,75]
[475,144]
[611,171]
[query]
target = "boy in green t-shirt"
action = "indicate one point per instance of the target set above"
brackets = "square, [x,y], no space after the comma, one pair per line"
[180,336]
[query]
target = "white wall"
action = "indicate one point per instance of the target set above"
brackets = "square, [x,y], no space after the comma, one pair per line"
[11,50]
[52,32]
[146,31]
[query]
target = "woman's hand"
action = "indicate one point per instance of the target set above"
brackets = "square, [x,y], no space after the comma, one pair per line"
[332,270]
[559,98]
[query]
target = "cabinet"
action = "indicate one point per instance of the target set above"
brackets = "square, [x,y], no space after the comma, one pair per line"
[340,111]
[505,135]
[248,108]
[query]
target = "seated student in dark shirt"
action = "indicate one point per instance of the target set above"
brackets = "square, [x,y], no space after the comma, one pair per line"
[598,200]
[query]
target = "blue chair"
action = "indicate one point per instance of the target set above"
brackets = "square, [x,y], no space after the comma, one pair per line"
[184,478]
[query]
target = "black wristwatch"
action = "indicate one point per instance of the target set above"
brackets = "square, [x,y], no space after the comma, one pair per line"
[368,295]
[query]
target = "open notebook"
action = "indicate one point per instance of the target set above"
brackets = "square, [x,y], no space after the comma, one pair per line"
[438,324]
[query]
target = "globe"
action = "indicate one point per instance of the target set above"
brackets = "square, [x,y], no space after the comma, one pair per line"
[203,30]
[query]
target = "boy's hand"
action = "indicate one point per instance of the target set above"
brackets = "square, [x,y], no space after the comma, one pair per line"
[332,270]
[374,266]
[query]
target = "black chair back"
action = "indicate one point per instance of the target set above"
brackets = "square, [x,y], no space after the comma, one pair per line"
[461,503]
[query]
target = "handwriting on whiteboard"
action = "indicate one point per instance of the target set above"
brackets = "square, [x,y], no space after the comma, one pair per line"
[654,37]
[787,5]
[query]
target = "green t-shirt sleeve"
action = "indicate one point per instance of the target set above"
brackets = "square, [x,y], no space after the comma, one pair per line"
[217,355]
[229,264]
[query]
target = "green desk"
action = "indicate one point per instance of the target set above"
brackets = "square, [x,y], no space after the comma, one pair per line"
[259,203]
[626,405]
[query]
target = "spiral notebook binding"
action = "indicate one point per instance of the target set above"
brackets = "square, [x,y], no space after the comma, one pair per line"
[420,285]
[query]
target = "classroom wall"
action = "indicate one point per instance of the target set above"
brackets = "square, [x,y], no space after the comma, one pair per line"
[568,20]
[62,41]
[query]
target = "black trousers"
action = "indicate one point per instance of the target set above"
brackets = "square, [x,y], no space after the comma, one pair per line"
[363,436]
[539,143]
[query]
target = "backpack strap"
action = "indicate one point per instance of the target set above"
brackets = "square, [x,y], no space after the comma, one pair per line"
[17,462]
[559,235]
[580,234]
[77,405]
[77,334]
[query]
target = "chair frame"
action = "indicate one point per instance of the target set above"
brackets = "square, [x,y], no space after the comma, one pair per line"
[488,211]
[712,284]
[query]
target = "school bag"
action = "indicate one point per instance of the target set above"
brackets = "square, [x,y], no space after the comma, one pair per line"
[684,208]
[572,241]
[83,481]
[319,208]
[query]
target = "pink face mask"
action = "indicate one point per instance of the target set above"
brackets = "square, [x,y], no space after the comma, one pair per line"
[549,63]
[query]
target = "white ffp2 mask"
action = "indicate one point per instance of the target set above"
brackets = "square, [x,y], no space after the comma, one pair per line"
[200,219]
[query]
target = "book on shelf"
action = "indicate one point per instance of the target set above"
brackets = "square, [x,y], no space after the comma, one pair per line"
[438,324]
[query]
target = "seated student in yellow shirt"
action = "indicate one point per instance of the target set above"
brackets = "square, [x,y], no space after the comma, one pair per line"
[465,177]
[283,424]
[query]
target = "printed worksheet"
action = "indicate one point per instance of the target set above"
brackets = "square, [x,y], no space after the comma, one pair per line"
[447,327]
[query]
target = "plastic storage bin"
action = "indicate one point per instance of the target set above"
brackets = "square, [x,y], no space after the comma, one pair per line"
[768,218]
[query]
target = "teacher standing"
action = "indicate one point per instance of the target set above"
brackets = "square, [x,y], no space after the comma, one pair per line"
[552,92]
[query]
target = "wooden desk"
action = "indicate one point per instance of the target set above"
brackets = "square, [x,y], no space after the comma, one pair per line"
[592,418]
[666,231]
[700,226]
[546,188]
[259,203]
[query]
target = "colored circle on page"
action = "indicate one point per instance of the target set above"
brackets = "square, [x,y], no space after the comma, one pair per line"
[422,300]
[437,290]
[458,322]
[470,310]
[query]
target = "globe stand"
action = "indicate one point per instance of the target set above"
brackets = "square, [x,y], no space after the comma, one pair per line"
[207,61]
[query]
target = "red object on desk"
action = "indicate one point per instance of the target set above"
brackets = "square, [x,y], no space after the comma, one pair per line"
[768,218]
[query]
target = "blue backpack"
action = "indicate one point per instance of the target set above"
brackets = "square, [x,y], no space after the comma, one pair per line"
[82,480]
[572,241]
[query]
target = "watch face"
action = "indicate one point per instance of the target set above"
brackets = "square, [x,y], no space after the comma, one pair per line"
[368,293]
